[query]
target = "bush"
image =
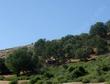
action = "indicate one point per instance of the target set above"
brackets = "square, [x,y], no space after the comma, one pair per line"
[23,78]
[65,66]
[34,79]
[3,68]
[1,77]
[15,81]
[62,79]
[101,79]
[79,71]
[49,82]
[94,81]
[55,81]
[48,75]
[46,82]
[70,69]
[108,82]
[39,82]
[98,79]
[82,54]
[86,80]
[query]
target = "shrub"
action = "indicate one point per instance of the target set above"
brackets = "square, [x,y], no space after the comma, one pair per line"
[71,69]
[23,78]
[94,81]
[49,82]
[3,68]
[48,75]
[82,54]
[79,71]
[65,66]
[1,77]
[39,82]
[15,81]
[55,80]
[34,79]
[62,79]
[108,82]
[86,80]
[101,79]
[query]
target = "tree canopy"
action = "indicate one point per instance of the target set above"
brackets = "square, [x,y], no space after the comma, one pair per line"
[99,29]
[20,60]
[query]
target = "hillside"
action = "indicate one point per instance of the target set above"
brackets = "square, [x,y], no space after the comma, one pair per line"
[6,52]
[72,58]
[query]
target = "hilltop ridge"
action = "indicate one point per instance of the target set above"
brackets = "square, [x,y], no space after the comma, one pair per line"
[5,52]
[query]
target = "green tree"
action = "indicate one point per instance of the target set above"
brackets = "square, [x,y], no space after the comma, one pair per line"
[82,53]
[108,26]
[40,50]
[84,36]
[39,47]
[97,43]
[20,60]
[3,68]
[99,29]
[69,51]
[55,50]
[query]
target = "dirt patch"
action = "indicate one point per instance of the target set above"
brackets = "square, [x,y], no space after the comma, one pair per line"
[4,82]
[23,82]
[19,82]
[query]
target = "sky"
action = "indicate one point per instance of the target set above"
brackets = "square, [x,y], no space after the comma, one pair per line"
[25,21]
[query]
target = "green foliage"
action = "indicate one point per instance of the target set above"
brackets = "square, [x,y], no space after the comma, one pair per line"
[1,77]
[3,68]
[82,54]
[40,82]
[98,29]
[39,47]
[108,26]
[48,75]
[20,60]
[71,68]
[86,80]
[35,79]
[81,46]
[69,51]
[23,78]
[15,81]
[93,71]
[77,72]
[61,79]
[98,44]
[65,66]
[108,82]
[11,78]
[52,59]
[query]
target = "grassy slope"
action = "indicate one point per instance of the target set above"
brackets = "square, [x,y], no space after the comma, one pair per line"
[95,71]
